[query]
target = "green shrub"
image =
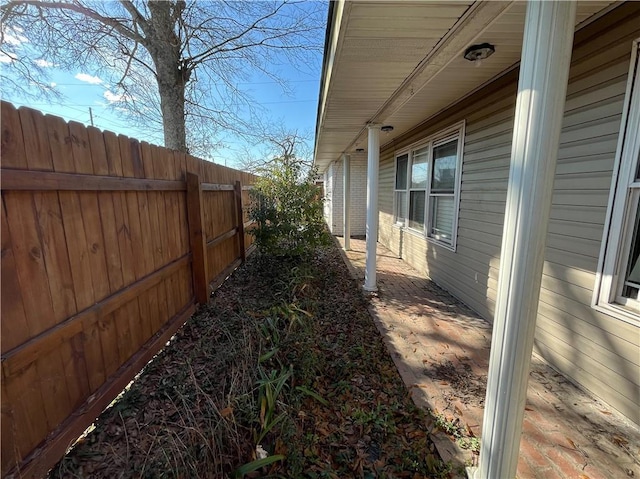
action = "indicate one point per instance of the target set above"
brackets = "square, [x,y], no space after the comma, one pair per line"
[287,209]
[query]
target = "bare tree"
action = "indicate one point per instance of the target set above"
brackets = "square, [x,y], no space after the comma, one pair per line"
[174,64]
[278,143]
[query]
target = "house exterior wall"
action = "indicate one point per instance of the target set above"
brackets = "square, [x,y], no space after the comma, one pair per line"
[328,196]
[597,351]
[335,217]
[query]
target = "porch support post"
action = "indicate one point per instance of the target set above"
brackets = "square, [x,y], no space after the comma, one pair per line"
[373,161]
[346,188]
[544,71]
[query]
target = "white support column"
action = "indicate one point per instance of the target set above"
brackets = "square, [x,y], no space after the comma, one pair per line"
[373,161]
[346,188]
[544,71]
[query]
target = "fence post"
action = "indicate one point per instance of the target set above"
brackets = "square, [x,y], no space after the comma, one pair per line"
[197,238]
[240,219]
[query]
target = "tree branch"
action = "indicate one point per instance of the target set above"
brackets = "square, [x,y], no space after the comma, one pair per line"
[199,58]
[136,16]
[78,8]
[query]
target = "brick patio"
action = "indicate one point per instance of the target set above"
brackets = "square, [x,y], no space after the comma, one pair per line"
[441,349]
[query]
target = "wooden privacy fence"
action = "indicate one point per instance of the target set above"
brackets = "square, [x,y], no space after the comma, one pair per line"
[107,246]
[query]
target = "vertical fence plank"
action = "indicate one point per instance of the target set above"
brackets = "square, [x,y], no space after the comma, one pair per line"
[143,208]
[25,402]
[37,145]
[180,165]
[13,155]
[76,242]
[152,200]
[112,147]
[132,166]
[240,220]
[9,446]
[90,212]
[107,214]
[15,329]
[27,250]
[197,239]
[159,173]
[108,335]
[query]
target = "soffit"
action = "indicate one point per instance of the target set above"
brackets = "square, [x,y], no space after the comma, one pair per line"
[399,63]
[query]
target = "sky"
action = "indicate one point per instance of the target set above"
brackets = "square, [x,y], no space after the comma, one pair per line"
[84,95]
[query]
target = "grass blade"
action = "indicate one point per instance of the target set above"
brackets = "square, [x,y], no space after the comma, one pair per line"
[255,465]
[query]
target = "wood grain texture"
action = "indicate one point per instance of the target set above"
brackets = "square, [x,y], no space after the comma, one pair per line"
[97,269]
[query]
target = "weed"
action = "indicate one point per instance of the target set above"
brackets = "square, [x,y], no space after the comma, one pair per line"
[453,427]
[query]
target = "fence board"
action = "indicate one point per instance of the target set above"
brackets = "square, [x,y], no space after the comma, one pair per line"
[9,430]
[50,371]
[13,154]
[99,269]
[158,173]
[138,243]
[23,394]
[90,212]
[27,250]
[37,148]
[75,368]
[56,257]
[15,329]
[109,351]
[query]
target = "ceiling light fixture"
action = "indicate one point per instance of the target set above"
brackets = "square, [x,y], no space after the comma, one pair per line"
[387,128]
[359,150]
[479,52]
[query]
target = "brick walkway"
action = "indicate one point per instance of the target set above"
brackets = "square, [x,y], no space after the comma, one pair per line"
[441,349]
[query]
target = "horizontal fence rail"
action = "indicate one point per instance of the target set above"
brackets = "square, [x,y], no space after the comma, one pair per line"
[108,245]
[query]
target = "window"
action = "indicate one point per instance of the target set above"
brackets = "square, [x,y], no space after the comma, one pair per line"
[618,281]
[417,193]
[442,191]
[401,189]
[428,185]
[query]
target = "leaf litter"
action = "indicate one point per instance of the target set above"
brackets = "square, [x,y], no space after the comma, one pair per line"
[283,374]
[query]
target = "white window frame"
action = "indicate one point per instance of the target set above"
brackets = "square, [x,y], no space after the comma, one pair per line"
[454,132]
[622,207]
[411,189]
[397,222]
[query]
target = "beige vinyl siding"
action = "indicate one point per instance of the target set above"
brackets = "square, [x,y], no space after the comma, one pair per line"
[597,351]
[388,234]
[328,196]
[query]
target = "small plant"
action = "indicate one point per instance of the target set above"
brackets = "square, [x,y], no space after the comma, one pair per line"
[269,388]
[470,443]
[458,432]
[287,208]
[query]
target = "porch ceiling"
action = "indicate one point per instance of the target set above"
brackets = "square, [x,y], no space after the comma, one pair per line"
[401,62]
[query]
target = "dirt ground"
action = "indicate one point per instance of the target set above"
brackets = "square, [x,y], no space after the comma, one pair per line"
[283,375]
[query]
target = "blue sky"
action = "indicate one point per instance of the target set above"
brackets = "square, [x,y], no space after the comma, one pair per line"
[83,90]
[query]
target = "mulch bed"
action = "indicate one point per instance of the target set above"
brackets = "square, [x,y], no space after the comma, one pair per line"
[287,358]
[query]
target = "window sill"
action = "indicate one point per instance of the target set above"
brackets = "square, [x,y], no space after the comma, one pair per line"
[421,235]
[618,312]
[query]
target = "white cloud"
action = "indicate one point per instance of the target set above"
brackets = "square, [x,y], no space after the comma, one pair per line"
[53,84]
[114,97]
[88,78]
[42,63]
[14,36]
[6,58]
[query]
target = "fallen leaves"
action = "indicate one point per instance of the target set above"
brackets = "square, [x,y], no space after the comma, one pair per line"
[194,412]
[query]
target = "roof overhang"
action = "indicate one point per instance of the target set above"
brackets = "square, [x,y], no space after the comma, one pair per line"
[402,62]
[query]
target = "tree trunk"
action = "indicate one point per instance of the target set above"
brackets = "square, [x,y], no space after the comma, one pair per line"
[164,47]
[173,115]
